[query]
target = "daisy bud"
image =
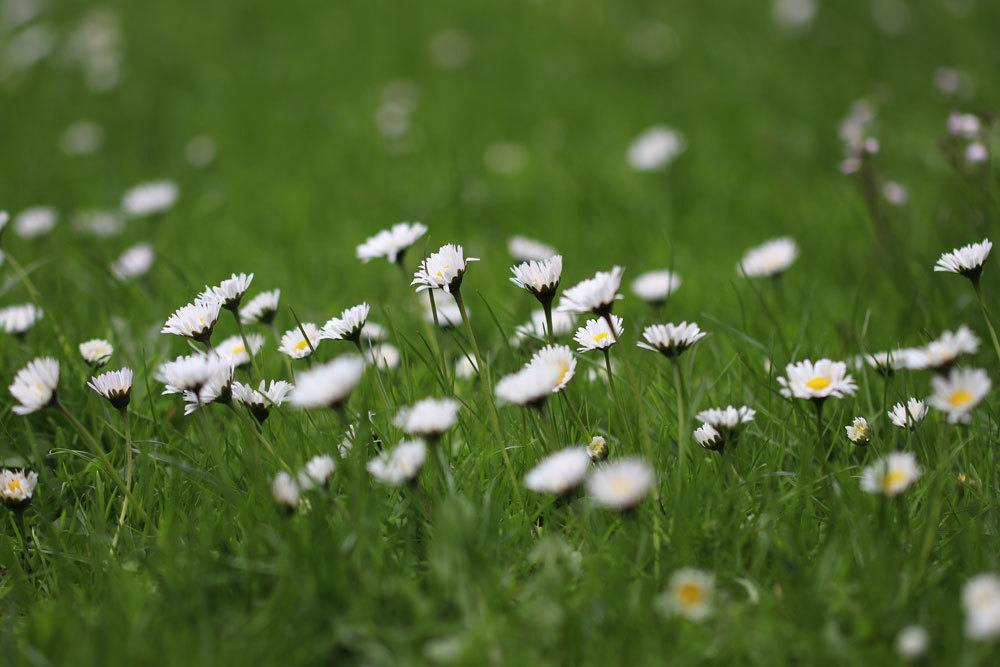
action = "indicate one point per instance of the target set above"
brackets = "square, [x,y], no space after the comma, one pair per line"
[17,488]
[859,432]
[598,449]
[96,352]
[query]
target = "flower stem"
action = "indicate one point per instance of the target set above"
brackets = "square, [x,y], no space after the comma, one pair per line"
[246,345]
[607,365]
[547,307]
[434,336]
[128,476]
[681,419]
[986,316]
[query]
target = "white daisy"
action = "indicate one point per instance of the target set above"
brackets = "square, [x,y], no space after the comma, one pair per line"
[817,381]
[671,339]
[465,368]
[654,287]
[895,193]
[963,125]
[562,324]
[328,385]
[689,594]
[540,277]
[529,387]
[859,432]
[229,293]
[428,418]
[260,400]
[261,309]
[285,491]
[908,415]
[135,262]
[195,320]
[981,601]
[594,295]
[709,437]
[891,475]
[348,326]
[559,472]
[597,449]
[191,372]
[34,386]
[912,642]
[559,357]
[400,465]
[35,221]
[443,269]
[383,355]
[391,243]
[236,353]
[524,249]
[959,392]
[317,472]
[217,389]
[299,346]
[17,488]
[96,352]
[17,320]
[621,485]
[655,148]
[114,386]
[150,198]
[949,346]
[771,258]
[976,153]
[967,260]
[597,335]
[728,422]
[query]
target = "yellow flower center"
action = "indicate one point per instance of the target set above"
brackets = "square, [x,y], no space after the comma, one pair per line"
[239,349]
[301,345]
[960,397]
[564,369]
[892,479]
[818,383]
[620,486]
[690,594]
[601,336]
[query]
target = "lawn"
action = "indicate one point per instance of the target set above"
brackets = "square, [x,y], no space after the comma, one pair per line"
[295,131]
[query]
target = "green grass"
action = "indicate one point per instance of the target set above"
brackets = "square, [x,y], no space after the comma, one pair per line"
[809,569]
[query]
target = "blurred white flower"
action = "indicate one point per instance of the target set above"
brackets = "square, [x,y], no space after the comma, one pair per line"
[654,287]
[328,385]
[450,49]
[912,642]
[505,158]
[316,472]
[285,491]
[655,148]
[981,602]
[620,485]
[135,262]
[559,472]
[771,258]
[958,393]
[794,13]
[382,355]
[200,151]
[391,243]
[428,418]
[35,221]
[17,320]
[895,193]
[262,308]
[562,324]
[524,249]
[99,223]
[96,352]
[150,198]
[976,153]
[84,137]
[34,386]
[400,465]
[235,352]
[963,125]
[689,594]
[891,475]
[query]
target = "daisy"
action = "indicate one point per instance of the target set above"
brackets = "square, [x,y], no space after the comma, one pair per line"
[967,260]
[524,249]
[817,381]
[235,351]
[35,221]
[383,355]
[195,320]
[34,386]
[149,198]
[373,332]
[391,243]
[597,449]
[285,491]
[963,125]
[428,418]
[298,346]
[559,472]
[96,352]
[655,148]
[728,421]
[772,258]
[465,368]
[597,335]
[908,415]
[959,392]
[708,437]
[976,153]
[348,326]
[529,387]
[99,223]
[689,594]
[620,485]
[328,385]
[654,287]
[595,295]
[443,270]
[135,262]
[17,488]
[949,346]
[540,277]
[190,373]
[891,475]
[260,400]
[217,389]
[400,465]
[671,339]
[981,601]
[230,292]
[562,324]
[912,642]
[17,320]
[114,386]
[859,432]
[317,472]
[261,309]
[559,357]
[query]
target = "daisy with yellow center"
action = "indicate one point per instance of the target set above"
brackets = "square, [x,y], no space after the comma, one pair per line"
[689,594]
[17,488]
[959,392]
[302,341]
[817,381]
[891,475]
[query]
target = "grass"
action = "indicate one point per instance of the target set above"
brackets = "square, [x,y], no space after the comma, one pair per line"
[809,568]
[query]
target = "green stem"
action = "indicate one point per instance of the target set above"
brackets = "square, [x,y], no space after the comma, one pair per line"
[986,316]
[547,307]
[434,337]
[607,365]
[681,419]
[246,345]
[128,476]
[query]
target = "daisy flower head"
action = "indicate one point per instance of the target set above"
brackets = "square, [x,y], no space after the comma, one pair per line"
[391,243]
[262,308]
[114,386]
[17,320]
[689,594]
[260,400]
[234,350]
[534,329]
[218,388]
[709,437]
[597,335]
[671,340]
[17,488]
[348,326]
[654,287]
[384,356]
[912,642]
[655,148]
[976,153]
[817,381]
[559,472]
[858,431]
[597,449]
[908,415]
[620,485]
[529,387]
[34,386]
[35,221]
[771,258]
[595,295]
[523,249]
[401,465]
[967,260]
[942,352]
[559,357]
[150,198]
[195,320]
[96,352]
[465,368]
[728,422]
[317,472]
[443,269]
[302,341]
[230,292]
[891,475]
[135,262]
[191,373]
[959,392]
[328,385]
[285,491]
[963,125]
[540,277]
[981,602]
[428,418]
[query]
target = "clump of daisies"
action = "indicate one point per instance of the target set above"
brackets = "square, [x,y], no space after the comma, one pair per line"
[96,352]
[770,259]
[560,472]
[891,475]
[391,243]
[859,432]
[689,595]
[721,427]
[18,320]
[908,415]
[620,485]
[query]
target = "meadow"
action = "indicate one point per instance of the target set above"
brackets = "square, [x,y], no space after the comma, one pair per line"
[638,136]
